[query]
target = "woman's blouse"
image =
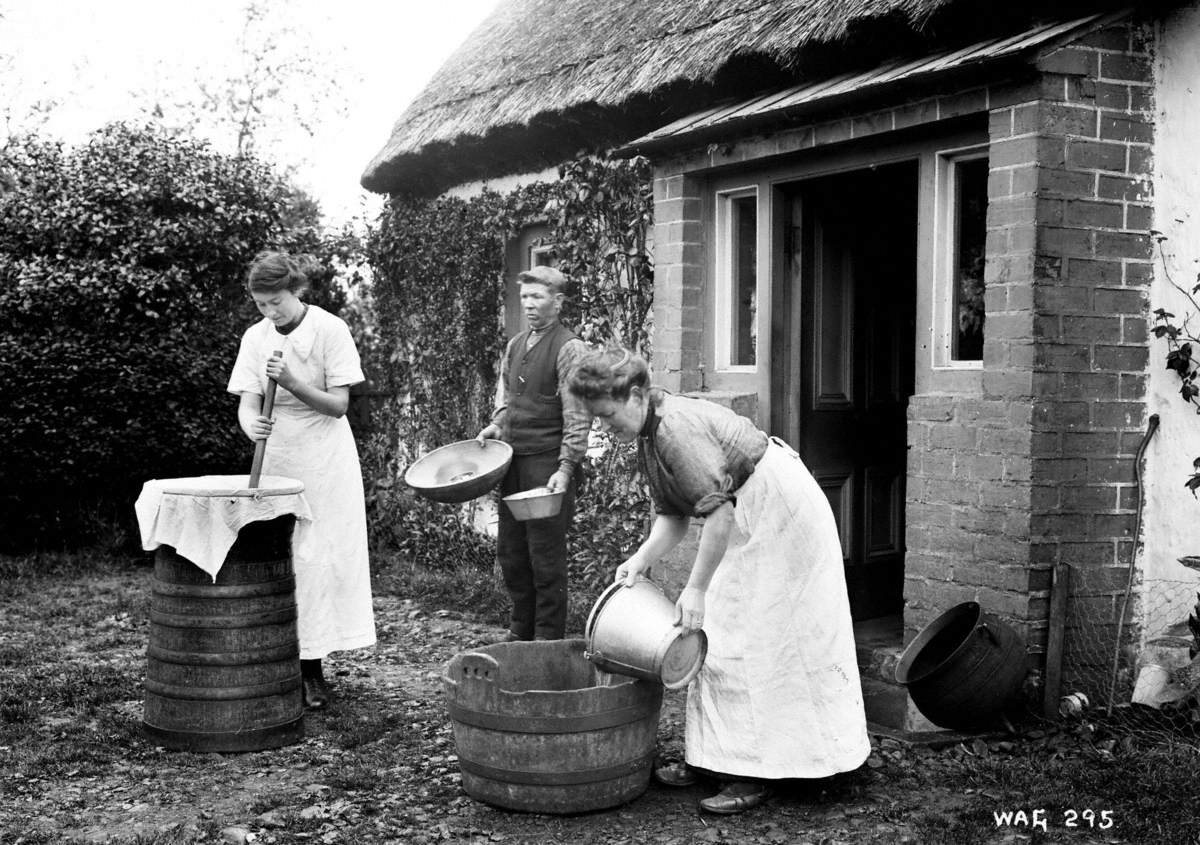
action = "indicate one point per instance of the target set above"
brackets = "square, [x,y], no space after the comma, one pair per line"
[320,351]
[695,454]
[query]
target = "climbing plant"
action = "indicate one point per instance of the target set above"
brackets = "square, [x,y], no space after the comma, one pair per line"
[439,269]
[1179,334]
[601,217]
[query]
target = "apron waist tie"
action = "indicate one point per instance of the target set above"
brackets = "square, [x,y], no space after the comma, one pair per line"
[782,445]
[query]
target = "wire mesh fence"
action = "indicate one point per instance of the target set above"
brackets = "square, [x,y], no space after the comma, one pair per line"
[1128,652]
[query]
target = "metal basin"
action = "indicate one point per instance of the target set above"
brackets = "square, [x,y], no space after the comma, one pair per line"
[538,503]
[459,472]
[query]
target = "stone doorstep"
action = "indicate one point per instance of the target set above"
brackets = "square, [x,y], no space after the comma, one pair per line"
[936,738]
[890,711]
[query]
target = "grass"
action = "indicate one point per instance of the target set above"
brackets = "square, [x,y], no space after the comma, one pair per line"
[465,586]
[1149,791]
[71,652]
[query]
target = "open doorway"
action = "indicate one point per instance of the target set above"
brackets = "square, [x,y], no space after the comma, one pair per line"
[844,337]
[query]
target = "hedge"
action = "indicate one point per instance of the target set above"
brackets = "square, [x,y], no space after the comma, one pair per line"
[121,306]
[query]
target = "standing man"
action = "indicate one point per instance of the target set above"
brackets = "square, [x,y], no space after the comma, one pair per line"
[547,428]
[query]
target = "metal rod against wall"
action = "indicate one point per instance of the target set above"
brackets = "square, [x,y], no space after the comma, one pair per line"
[1060,591]
[1137,533]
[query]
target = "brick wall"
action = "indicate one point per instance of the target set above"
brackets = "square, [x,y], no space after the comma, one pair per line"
[678,279]
[1034,468]
[1038,470]
[1093,269]
[968,514]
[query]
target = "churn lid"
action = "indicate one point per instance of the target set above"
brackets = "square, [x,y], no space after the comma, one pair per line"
[230,485]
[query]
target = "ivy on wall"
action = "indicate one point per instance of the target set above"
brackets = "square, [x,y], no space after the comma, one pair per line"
[602,216]
[439,291]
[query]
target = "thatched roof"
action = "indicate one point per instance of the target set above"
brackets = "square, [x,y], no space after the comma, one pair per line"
[542,79]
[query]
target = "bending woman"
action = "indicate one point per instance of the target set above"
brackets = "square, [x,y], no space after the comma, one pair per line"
[778,695]
[309,439]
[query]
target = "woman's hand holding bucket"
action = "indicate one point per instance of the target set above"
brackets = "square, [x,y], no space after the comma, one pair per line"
[689,610]
[629,571]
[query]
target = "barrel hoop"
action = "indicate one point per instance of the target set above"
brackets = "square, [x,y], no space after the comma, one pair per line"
[194,693]
[288,651]
[257,739]
[548,724]
[214,591]
[249,620]
[557,778]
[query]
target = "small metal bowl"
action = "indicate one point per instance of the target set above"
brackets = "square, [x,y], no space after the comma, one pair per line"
[459,472]
[538,503]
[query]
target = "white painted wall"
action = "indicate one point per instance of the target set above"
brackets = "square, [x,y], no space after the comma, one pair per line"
[1171,517]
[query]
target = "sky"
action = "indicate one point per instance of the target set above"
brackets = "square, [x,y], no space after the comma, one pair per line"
[103,61]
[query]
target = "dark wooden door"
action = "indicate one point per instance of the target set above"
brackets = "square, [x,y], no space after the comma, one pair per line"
[849,319]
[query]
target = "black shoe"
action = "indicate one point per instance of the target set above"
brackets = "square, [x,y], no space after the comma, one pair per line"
[736,798]
[316,694]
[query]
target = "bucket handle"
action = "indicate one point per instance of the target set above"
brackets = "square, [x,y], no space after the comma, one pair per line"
[480,667]
[619,667]
[984,630]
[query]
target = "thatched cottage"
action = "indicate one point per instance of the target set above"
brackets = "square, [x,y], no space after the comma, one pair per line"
[916,239]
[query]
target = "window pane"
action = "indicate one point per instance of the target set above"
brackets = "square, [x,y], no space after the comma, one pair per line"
[744,284]
[970,231]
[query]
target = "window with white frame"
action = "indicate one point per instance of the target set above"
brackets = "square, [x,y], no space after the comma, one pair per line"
[737,280]
[963,198]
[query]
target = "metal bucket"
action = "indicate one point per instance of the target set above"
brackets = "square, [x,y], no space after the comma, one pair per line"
[964,669]
[540,729]
[632,631]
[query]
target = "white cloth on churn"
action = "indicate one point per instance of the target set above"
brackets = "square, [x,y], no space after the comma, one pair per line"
[329,554]
[203,526]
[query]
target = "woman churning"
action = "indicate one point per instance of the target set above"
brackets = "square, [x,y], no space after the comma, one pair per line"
[311,355]
[778,695]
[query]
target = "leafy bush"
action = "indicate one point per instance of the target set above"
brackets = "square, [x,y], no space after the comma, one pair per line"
[121,306]
[612,517]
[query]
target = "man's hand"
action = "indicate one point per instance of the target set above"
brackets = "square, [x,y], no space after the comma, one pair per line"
[559,481]
[492,432]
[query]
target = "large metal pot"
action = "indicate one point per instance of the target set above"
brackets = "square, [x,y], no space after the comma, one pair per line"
[964,669]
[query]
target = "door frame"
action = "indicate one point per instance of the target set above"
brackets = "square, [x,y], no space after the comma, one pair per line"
[870,297]
[768,179]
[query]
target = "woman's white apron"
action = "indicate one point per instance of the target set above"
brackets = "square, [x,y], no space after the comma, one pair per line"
[779,694]
[329,553]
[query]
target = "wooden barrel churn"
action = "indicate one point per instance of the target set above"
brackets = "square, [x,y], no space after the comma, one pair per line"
[539,728]
[223,662]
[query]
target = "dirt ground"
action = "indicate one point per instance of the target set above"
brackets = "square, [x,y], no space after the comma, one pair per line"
[378,766]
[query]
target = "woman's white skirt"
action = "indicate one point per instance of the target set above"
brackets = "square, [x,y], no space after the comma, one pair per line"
[779,694]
